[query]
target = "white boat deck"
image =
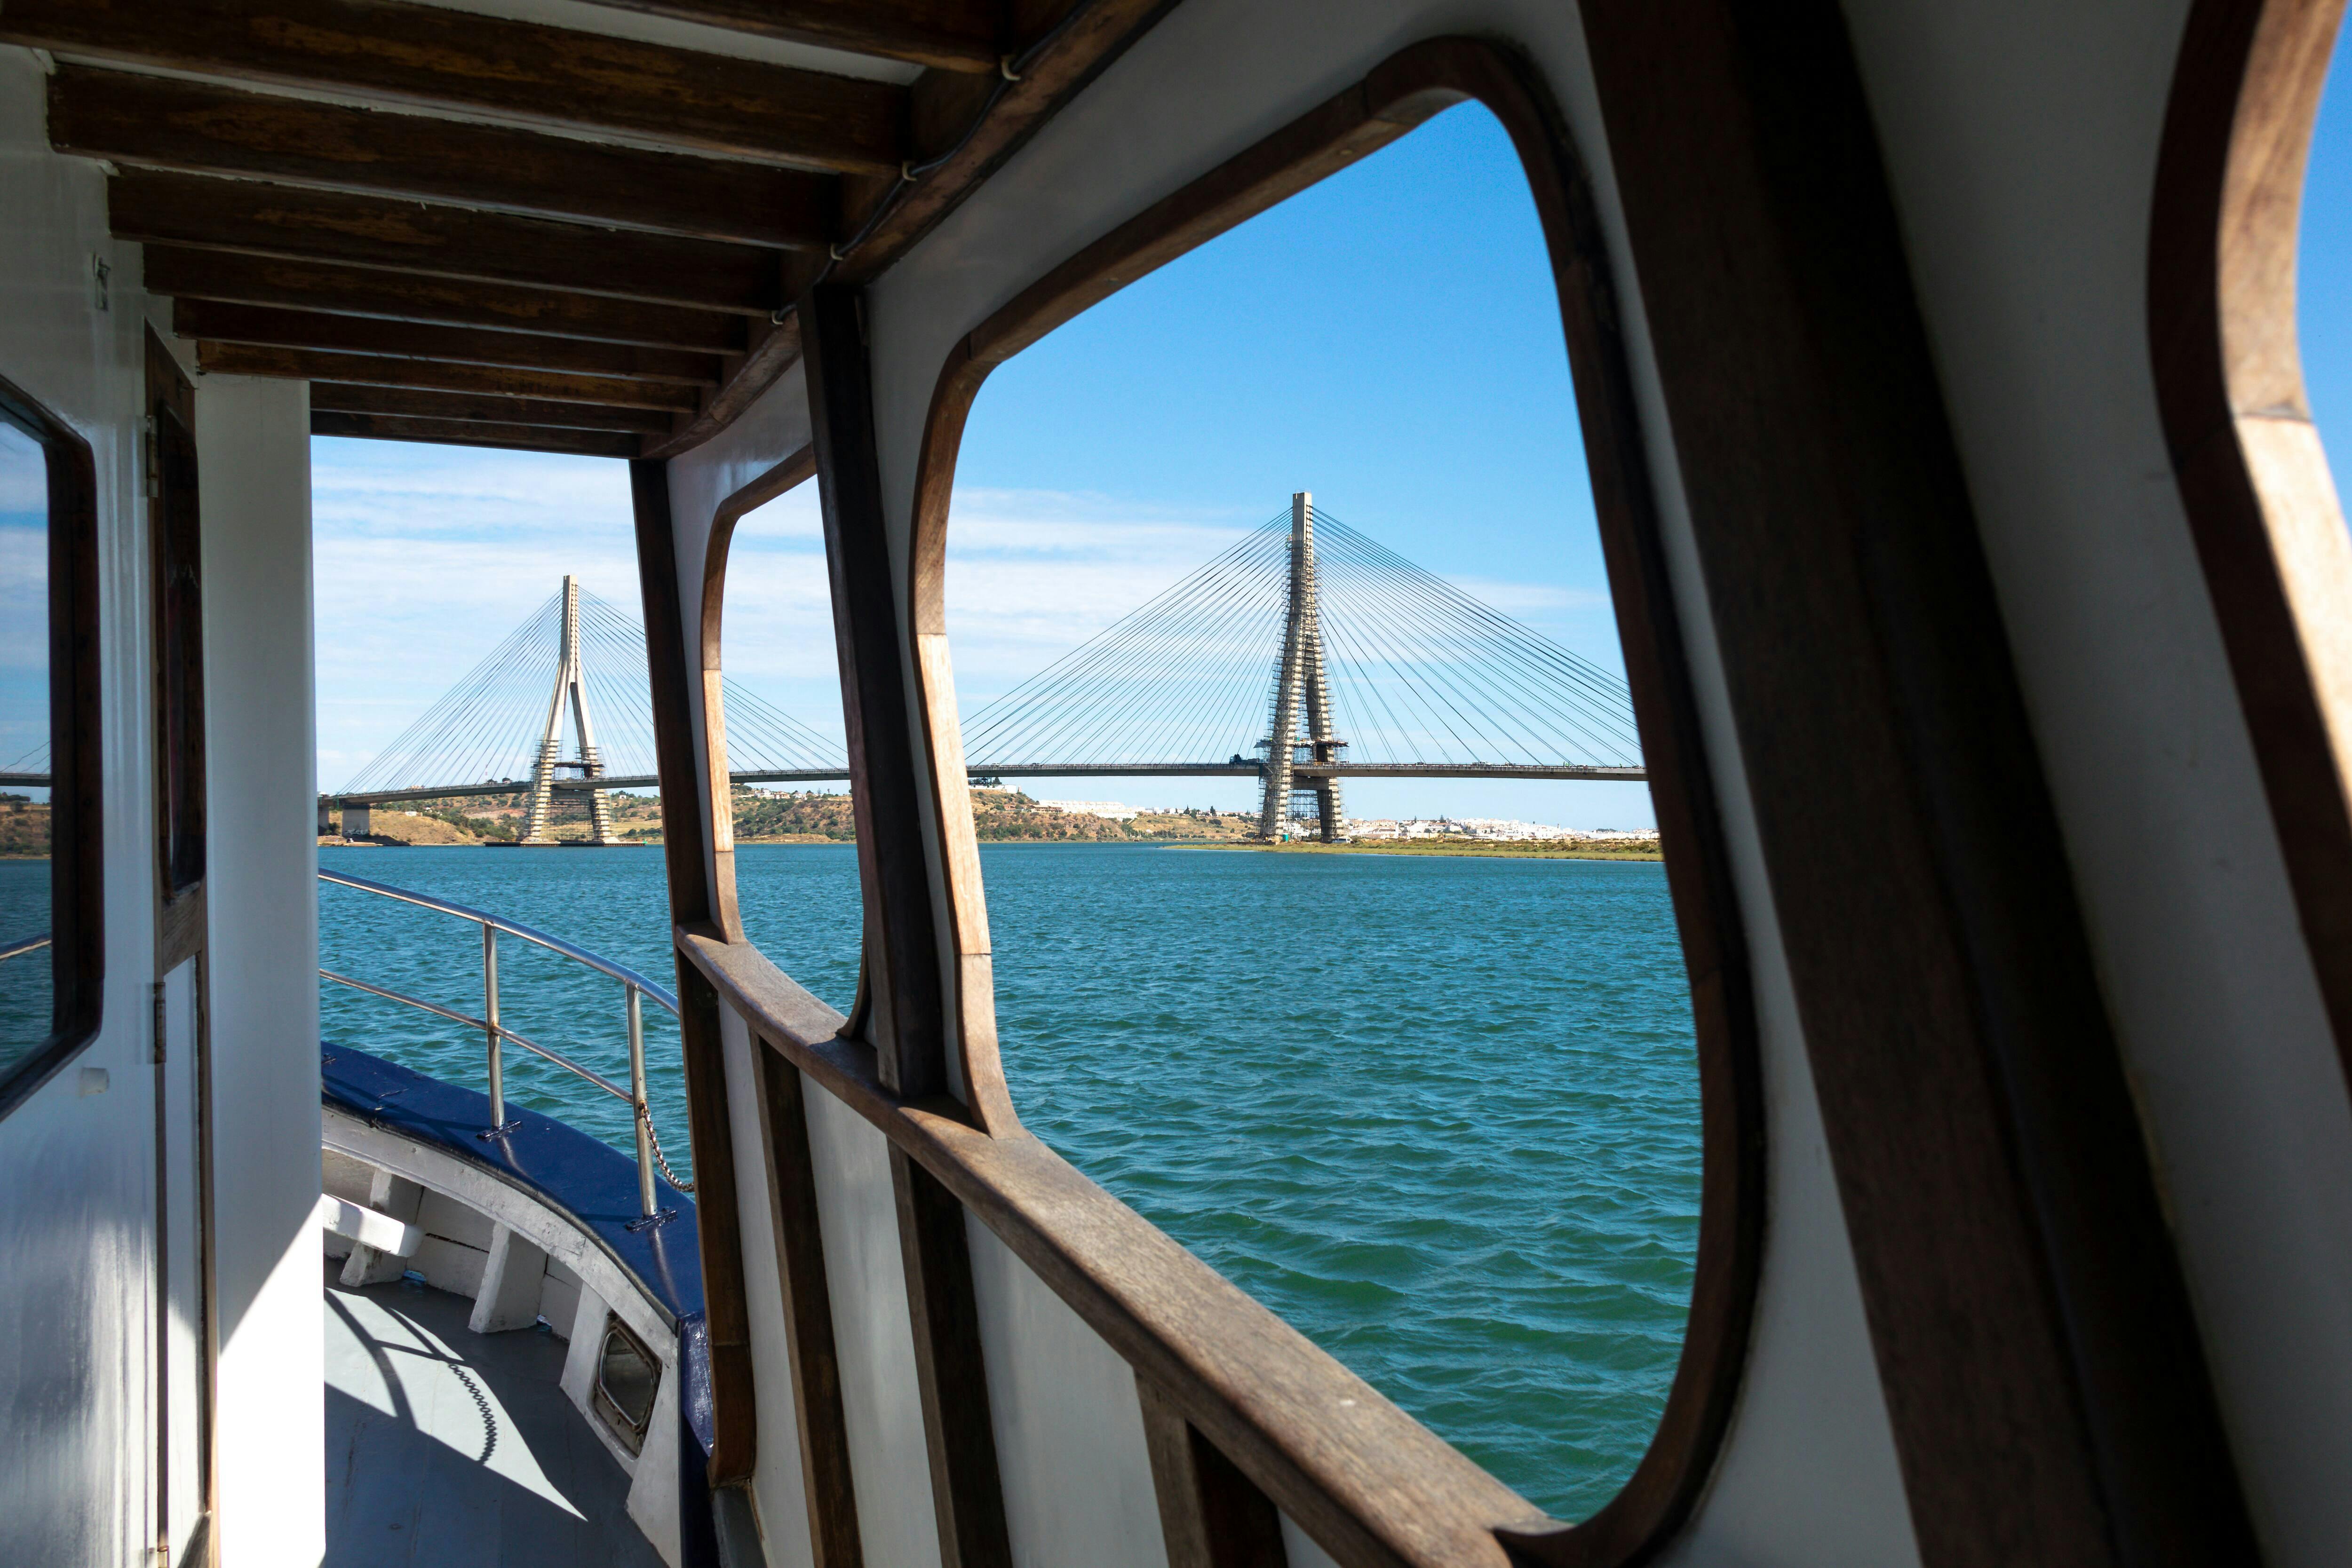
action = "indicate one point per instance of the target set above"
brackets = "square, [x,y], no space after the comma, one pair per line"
[447,1449]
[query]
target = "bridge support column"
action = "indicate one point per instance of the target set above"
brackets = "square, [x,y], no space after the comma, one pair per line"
[570,683]
[356,824]
[326,816]
[1300,682]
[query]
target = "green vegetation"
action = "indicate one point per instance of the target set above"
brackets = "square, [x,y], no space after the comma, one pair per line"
[1520,849]
[998,816]
[24,828]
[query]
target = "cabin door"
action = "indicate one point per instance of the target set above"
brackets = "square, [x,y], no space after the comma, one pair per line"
[185,1346]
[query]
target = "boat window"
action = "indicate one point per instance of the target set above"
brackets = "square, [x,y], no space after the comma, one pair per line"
[795,843]
[50,950]
[1329,921]
[626,1376]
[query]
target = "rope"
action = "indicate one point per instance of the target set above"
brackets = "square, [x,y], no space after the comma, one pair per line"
[646,1119]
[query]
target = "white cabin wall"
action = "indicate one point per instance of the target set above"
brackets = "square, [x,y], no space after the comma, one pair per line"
[253,439]
[77,1228]
[1809,1473]
[2021,141]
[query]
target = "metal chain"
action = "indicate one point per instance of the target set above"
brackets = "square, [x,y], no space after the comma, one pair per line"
[645,1118]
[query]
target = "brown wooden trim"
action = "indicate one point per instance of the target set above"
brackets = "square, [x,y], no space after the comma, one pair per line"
[719,1217]
[1058,71]
[774,348]
[408,402]
[260,325]
[817,1409]
[1992,1168]
[156,206]
[725,1296]
[683,844]
[1401,94]
[1366,1480]
[176,693]
[495,381]
[719,803]
[469,433]
[901,949]
[950,1369]
[2261,501]
[225,276]
[949,35]
[76,799]
[1210,1513]
[433,57]
[167,122]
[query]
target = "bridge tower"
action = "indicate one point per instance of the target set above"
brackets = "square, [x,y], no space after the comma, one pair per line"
[570,683]
[1300,682]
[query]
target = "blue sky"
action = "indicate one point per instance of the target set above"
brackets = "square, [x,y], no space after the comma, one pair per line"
[1130,446]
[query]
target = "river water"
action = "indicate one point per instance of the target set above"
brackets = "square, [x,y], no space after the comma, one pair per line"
[1441,1115]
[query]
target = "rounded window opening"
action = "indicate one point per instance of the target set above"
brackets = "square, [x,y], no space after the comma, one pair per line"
[1325,899]
[795,832]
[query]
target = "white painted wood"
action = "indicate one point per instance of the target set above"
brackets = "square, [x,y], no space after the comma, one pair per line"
[512,1281]
[379,1231]
[873,1335]
[559,1303]
[397,1200]
[653,1491]
[1069,1424]
[580,1361]
[505,1204]
[450,1266]
[253,439]
[777,1483]
[456,1219]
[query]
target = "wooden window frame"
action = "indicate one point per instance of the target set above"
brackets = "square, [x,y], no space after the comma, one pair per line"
[1401,1494]
[2262,502]
[76,880]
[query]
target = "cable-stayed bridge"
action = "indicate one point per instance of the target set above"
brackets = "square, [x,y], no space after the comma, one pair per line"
[1366,664]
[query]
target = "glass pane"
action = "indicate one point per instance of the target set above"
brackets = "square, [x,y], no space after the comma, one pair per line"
[795,835]
[25,979]
[1421,1078]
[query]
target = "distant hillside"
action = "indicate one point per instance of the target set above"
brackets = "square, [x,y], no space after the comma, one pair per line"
[809,817]
[24,828]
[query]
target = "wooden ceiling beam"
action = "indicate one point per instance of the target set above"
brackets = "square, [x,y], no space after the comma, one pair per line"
[494,380]
[298,225]
[197,128]
[433,58]
[264,326]
[943,110]
[442,301]
[413,403]
[948,35]
[463,433]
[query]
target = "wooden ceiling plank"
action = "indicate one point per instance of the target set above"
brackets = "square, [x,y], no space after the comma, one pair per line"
[495,381]
[461,433]
[255,218]
[262,326]
[448,302]
[433,58]
[1062,68]
[198,127]
[414,403]
[947,35]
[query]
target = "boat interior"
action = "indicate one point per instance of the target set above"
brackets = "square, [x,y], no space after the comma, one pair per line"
[1982,590]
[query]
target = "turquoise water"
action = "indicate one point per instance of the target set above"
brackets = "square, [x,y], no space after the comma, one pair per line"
[1442,1114]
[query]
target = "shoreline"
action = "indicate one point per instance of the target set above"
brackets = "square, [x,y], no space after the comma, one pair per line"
[1529,849]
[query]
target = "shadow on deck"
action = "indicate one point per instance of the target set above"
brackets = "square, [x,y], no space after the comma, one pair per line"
[447,1449]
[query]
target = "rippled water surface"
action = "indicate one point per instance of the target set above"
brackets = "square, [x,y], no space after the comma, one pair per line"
[1442,1114]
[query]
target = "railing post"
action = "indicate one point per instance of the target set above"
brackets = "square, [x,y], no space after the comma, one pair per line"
[637,1094]
[490,1024]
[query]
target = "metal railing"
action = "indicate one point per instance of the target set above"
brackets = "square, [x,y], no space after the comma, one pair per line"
[27,944]
[495,1033]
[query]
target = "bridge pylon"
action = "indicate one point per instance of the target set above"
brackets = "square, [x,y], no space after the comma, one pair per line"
[1300,683]
[571,689]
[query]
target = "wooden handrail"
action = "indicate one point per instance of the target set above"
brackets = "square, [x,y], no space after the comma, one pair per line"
[1366,1480]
